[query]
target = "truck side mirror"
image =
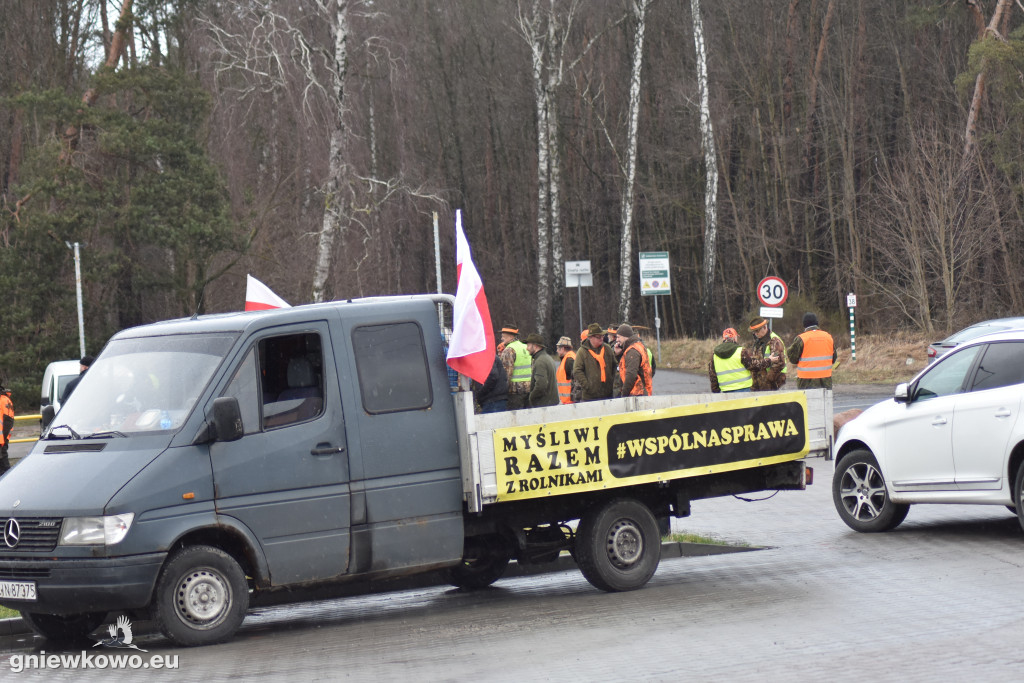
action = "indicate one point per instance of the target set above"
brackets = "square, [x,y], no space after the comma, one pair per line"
[226,422]
[47,416]
[227,419]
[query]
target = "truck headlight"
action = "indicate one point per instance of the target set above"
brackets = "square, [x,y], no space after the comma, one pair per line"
[96,530]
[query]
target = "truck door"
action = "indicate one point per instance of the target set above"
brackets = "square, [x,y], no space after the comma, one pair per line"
[287,478]
[407,486]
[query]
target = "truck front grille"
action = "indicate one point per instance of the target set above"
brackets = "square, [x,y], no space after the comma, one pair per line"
[18,573]
[29,534]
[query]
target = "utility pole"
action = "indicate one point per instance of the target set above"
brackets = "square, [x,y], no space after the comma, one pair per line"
[78,293]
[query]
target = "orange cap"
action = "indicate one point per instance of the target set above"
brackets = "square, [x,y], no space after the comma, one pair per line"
[730,333]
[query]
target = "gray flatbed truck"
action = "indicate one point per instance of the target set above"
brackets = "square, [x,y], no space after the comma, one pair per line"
[206,465]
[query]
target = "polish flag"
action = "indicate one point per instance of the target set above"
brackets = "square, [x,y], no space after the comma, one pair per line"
[259,297]
[471,349]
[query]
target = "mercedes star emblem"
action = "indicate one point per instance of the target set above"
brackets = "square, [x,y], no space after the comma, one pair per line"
[12,532]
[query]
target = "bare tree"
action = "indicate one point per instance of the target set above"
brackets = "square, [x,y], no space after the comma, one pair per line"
[639,8]
[704,319]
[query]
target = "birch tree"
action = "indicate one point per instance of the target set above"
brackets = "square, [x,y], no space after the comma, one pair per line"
[711,177]
[639,8]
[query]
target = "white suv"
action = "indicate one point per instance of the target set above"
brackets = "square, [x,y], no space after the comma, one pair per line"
[951,435]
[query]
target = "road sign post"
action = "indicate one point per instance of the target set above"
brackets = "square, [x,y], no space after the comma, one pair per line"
[578,273]
[655,280]
[851,303]
[772,292]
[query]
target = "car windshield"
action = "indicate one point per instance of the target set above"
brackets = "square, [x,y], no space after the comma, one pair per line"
[973,332]
[145,384]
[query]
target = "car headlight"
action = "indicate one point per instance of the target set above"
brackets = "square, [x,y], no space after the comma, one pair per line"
[96,530]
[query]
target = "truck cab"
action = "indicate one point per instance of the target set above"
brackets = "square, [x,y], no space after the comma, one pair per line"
[204,461]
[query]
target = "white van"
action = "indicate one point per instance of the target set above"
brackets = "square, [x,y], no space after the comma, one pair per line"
[55,380]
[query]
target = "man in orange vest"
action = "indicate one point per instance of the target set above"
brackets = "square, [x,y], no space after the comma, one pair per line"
[813,354]
[594,367]
[635,365]
[7,411]
[565,367]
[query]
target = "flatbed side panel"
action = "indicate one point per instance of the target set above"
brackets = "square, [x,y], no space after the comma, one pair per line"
[605,444]
[469,458]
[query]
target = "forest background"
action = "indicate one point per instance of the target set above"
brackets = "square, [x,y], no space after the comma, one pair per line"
[864,146]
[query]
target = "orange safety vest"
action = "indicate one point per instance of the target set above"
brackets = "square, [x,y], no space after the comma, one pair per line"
[6,410]
[643,386]
[816,356]
[564,382]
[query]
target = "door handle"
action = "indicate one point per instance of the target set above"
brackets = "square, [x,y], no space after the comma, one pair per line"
[1003,412]
[327,449]
[938,421]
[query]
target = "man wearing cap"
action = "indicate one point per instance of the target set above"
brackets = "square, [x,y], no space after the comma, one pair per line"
[7,411]
[813,353]
[83,366]
[594,370]
[543,387]
[635,365]
[732,366]
[565,368]
[516,360]
[767,343]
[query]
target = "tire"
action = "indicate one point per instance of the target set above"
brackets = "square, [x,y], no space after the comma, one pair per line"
[201,596]
[64,628]
[1018,495]
[618,546]
[484,562]
[860,496]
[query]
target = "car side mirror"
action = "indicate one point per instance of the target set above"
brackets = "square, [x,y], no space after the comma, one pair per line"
[47,414]
[225,423]
[902,394]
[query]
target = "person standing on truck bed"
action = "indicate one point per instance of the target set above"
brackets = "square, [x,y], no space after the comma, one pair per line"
[594,370]
[635,366]
[492,395]
[543,385]
[565,368]
[767,343]
[813,352]
[732,366]
[516,360]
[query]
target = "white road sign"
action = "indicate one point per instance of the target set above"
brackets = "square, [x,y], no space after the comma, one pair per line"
[654,277]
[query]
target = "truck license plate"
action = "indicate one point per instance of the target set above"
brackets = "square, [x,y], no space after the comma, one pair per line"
[18,590]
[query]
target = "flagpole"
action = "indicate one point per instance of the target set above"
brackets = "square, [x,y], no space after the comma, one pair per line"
[437,264]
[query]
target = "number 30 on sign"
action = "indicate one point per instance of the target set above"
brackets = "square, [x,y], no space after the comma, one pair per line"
[772,291]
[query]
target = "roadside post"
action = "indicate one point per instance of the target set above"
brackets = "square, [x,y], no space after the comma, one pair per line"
[772,292]
[654,281]
[577,274]
[78,293]
[851,303]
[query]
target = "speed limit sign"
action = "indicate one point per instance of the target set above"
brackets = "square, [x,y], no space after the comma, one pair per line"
[772,291]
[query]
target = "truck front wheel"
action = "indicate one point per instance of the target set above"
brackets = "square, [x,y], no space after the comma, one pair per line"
[64,628]
[201,596]
[618,546]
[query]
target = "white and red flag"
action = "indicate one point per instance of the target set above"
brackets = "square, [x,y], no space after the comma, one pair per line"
[259,297]
[471,349]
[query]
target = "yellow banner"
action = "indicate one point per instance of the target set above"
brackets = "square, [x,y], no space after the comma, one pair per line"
[656,445]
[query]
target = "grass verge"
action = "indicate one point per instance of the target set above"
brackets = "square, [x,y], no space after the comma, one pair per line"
[881,359]
[7,613]
[697,538]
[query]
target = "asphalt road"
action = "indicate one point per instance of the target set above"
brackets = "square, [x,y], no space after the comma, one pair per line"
[937,599]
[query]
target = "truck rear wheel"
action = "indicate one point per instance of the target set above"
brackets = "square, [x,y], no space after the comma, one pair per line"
[618,546]
[201,596]
[64,628]
[484,561]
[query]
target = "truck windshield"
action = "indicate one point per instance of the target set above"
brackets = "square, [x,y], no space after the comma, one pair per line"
[146,384]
